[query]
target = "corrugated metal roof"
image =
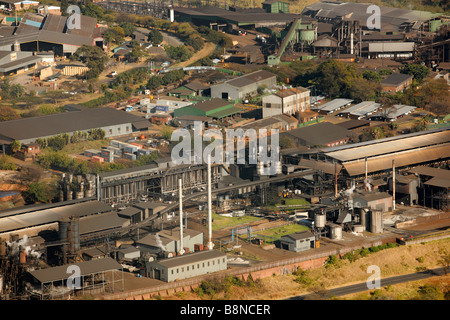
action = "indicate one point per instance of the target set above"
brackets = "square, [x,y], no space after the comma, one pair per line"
[334,105]
[86,268]
[65,122]
[391,46]
[432,172]
[99,222]
[403,158]
[388,146]
[438,182]
[51,215]
[191,258]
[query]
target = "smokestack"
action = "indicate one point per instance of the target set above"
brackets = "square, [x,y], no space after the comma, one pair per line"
[180,192]
[393,184]
[365,179]
[351,42]
[210,243]
[335,181]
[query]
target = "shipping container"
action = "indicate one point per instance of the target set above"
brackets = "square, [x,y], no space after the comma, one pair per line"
[91,152]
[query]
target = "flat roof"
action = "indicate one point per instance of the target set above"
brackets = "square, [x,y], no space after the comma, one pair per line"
[320,133]
[191,258]
[86,268]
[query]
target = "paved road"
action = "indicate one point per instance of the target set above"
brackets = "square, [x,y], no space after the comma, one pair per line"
[360,287]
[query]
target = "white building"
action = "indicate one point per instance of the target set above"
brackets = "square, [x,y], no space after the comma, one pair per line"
[289,101]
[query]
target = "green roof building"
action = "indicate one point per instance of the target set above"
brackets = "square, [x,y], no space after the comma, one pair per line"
[215,108]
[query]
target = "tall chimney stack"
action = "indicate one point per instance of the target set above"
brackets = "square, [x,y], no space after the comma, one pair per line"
[365,179]
[210,243]
[180,192]
[393,184]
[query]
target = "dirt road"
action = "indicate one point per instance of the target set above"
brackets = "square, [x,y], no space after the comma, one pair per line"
[206,51]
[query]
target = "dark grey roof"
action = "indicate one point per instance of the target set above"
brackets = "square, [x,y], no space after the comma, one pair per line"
[100,222]
[86,268]
[129,211]
[371,196]
[191,258]
[396,79]
[54,124]
[300,235]
[195,85]
[149,205]
[319,134]
[212,104]
[250,78]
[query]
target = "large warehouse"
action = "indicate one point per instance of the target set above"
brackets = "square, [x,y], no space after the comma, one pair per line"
[27,130]
[408,150]
[51,33]
[242,86]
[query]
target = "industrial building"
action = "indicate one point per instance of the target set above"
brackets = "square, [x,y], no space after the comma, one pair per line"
[55,282]
[376,157]
[187,266]
[320,134]
[50,33]
[392,19]
[396,82]
[298,242]
[168,242]
[13,61]
[433,190]
[380,201]
[27,130]
[216,108]
[157,179]
[241,87]
[290,101]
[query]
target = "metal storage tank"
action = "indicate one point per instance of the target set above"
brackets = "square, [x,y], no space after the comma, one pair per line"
[376,221]
[335,232]
[319,220]
[73,235]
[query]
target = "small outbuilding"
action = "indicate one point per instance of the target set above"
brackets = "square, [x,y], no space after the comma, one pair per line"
[299,241]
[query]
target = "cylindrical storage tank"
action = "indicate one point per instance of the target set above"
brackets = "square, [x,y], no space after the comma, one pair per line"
[73,235]
[336,232]
[319,220]
[376,222]
[63,227]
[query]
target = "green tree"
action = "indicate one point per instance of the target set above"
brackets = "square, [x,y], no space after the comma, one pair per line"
[94,58]
[154,82]
[128,28]
[335,78]
[371,75]
[155,37]
[40,192]
[15,146]
[418,71]
[92,10]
